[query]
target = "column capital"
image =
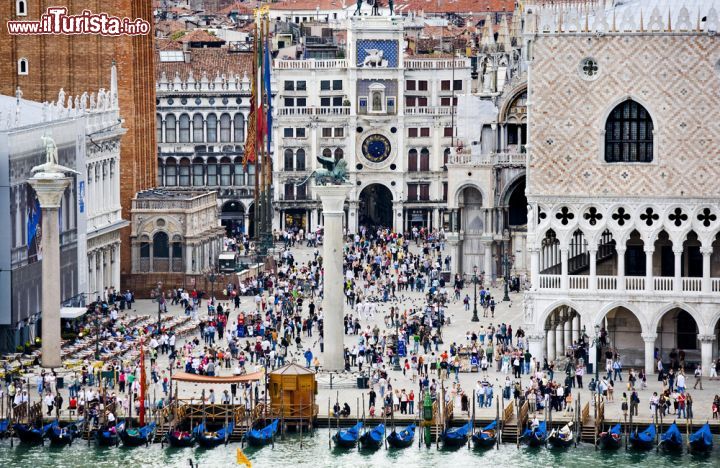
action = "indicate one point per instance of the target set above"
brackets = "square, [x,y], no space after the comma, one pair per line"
[621,250]
[648,249]
[677,250]
[706,338]
[649,337]
[706,251]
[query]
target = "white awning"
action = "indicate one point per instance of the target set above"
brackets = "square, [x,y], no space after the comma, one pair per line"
[72,312]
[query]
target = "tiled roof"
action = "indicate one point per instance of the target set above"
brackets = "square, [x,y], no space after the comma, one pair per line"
[199,35]
[243,8]
[310,5]
[455,6]
[162,43]
[211,61]
[169,26]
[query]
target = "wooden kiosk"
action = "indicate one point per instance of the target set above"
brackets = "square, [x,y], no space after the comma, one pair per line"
[292,390]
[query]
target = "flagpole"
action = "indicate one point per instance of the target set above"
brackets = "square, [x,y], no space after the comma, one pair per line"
[256,158]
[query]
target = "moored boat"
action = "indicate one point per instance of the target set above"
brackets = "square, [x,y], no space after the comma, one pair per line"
[209,439]
[486,437]
[562,438]
[180,439]
[536,436]
[672,439]
[138,436]
[32,433]
[64,434]
[612,439]
[346,438]
[701,440]
[373,439]
[108,436]
[456,437]
[264,436]
[644,440]
[402,439]
[4,428]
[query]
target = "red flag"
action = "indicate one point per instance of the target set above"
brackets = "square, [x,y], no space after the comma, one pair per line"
[141,411]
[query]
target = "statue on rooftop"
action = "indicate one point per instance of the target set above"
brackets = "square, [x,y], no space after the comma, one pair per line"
[359,6]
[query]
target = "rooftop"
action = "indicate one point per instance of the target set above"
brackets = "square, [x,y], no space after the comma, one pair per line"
[212,62]
[200,35]
[160,194]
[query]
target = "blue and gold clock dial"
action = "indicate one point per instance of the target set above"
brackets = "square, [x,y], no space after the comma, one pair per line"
[376,148]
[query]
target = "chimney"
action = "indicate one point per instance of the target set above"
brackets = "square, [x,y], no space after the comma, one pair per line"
[186,51]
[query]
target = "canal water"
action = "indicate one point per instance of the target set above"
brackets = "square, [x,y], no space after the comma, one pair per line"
[315,453]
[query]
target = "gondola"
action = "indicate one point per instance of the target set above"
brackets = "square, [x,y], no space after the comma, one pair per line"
[644,440]
[373,439]
[138,436]
[60,434]
[612,439]
[672,439]
[213,439]
[486,437]
[537,436]
[31,434]
[701,440]
[456,437]
[264,436]
[108,436]
[182,439]
[4,428]
[349,437]
[562,438]
[402,439]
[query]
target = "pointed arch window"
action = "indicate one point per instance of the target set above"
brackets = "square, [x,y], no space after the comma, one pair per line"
[629,134]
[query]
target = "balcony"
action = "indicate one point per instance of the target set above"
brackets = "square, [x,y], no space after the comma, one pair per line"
[310,64]
[466,158]
[632,284]
[437,64]
[440,110]
[308,111]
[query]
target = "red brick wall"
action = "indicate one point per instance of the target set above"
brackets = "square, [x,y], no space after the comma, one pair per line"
[82,63]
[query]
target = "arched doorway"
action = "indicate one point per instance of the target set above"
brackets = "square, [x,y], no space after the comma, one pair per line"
[376,206]
[517,205]
[623,336]
[677,339]
[232,217]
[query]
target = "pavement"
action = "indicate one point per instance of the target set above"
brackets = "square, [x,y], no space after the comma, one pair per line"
[344,389]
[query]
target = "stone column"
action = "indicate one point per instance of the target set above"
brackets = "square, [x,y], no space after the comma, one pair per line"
[551,342]
[453,250]
[620,270]
[559,340]
[649,339]
[535,268]
[677,281]
[575,329]
[706,282]
[706,347]
[487,260]
[116,267]
[333,200]
[567,335]
[564,280]
[592,350]
[649,280]
[592,280]
[535,346]
[49,188]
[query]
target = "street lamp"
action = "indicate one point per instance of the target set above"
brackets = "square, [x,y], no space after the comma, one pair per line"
[397,367]
[212,277]
[596,343]
[507,261]
[475,282]
[97,333]
[159,296]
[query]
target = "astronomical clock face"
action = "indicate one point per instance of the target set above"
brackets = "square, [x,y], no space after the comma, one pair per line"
[376,148]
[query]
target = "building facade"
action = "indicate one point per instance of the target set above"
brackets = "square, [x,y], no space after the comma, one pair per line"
[43,64]
[175,231]
[624,214]
[428,141]
[87,139]
[203,105]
